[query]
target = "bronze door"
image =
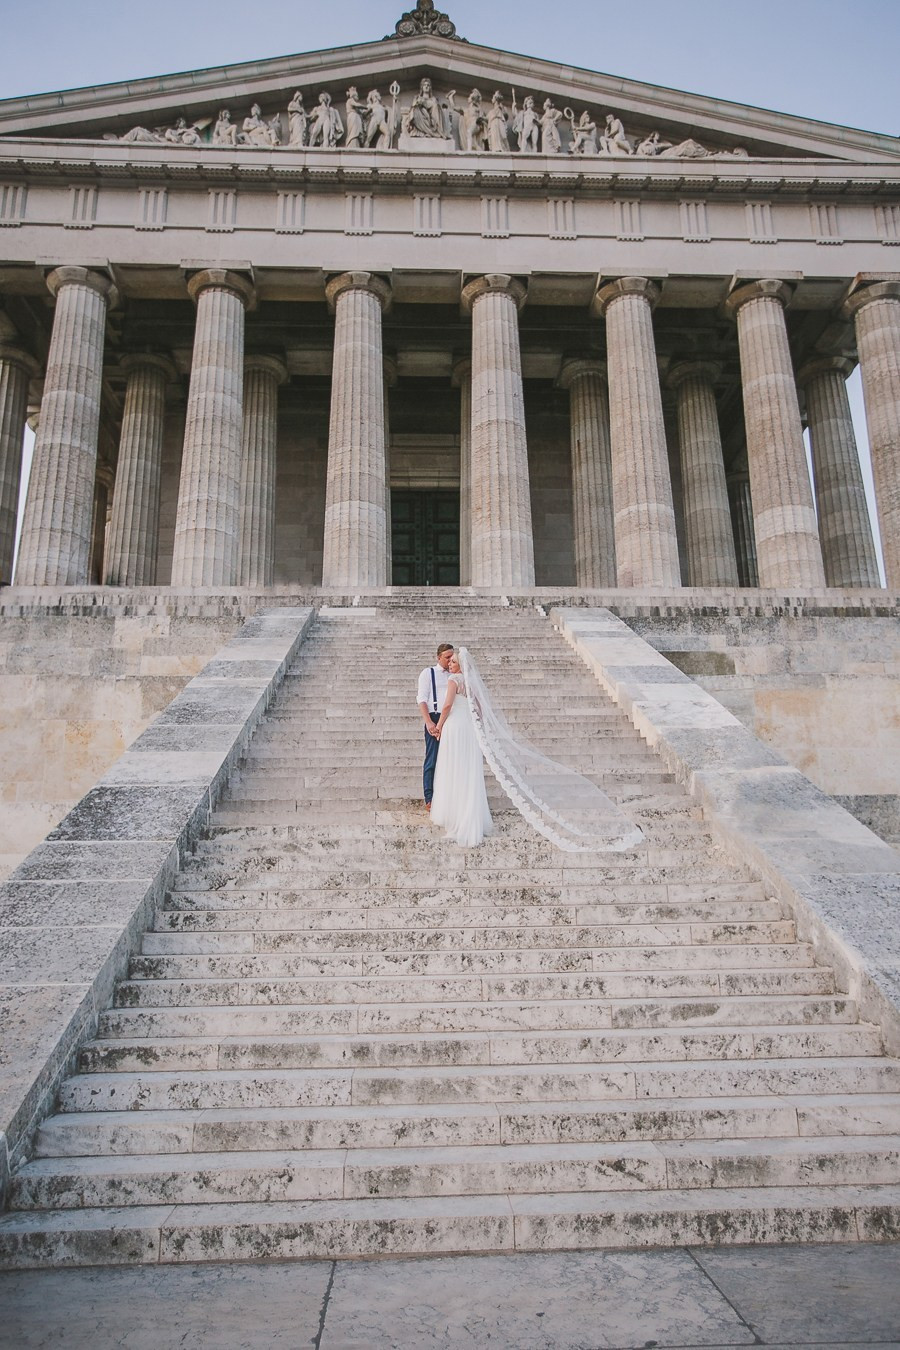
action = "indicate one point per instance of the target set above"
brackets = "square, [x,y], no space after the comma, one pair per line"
[425,538]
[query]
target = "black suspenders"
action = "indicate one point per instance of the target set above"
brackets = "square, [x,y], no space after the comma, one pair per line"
[434,689]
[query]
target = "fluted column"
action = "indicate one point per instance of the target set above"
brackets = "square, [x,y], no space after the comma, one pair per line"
[102,484]
[646,539]
[16,369]
[206,525]
[744,535]
[848,549]
[134,524]
[390,380]
[256,543]
[55,547]
[876,311]
[356,514]
[592,497]
[787,537]
[462,379]
[502,542]
[707,517]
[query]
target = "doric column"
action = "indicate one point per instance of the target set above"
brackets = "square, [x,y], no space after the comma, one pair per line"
[55,548]
[206,526]
[256,543]
[787,538]
[707,517]
[592,497]
[502,542]
[16,369]
[876,311]
[744,535]
[646,539]
[462,379]
[356,514]
[848,550]
[134,525]
[390,381]
[102,485]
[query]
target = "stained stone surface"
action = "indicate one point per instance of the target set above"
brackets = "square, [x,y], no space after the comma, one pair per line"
[59,956]
[840,880]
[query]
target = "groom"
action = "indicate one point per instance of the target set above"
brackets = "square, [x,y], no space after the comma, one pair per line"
[431,694]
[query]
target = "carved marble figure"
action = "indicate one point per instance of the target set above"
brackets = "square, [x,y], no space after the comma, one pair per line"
[498,126]
[425,117]
[182,134]
[473,123]
[378,122]
[257,131]
[584,134]
[354,113]
[613,140]
[297,120]
[225,131]
[141,136]
[325,125]
[527,126]
[652,145]
[550,120]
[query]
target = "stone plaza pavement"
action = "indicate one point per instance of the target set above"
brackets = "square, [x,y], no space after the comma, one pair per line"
[836,1296]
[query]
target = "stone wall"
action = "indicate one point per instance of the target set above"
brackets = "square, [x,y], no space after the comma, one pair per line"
[824,690]
[77,689]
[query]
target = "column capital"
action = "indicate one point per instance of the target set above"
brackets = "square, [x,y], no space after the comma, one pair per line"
[358,281]
[132,361]
[577,366]
[462,367]
[493,283]
[220,278]
[17,357]
[821,365]
[271,365]
[886,289]
[687,370]
[767,288]
[82,276]
[610,291]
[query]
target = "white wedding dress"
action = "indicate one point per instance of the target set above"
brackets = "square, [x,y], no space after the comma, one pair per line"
[460,802]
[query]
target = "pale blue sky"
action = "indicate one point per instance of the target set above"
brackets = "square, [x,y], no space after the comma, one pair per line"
[831,59]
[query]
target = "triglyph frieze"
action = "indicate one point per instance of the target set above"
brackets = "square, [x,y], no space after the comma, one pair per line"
[473,124]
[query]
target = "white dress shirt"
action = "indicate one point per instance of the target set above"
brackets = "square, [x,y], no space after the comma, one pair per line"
[425,695]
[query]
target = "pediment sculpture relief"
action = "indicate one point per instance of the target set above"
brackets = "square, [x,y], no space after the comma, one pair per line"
[474,126]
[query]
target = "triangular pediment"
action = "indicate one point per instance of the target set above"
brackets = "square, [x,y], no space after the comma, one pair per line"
[185,108]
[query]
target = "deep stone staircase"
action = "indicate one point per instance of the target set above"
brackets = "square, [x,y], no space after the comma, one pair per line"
[347,1036]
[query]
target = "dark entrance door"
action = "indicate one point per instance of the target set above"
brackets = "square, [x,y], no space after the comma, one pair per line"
[425,538]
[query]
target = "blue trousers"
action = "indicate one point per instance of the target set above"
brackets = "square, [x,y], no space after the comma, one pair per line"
[432,745]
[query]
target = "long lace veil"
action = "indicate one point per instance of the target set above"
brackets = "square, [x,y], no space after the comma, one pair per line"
[563,805]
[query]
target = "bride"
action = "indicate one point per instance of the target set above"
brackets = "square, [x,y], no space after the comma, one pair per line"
[460,800]
[560,803]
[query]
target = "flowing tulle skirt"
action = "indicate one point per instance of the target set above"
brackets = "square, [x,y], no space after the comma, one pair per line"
[460,801]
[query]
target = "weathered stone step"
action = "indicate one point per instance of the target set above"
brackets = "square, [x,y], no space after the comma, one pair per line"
[169,1050]
[272,965]
[201,914]
[242,1088]
[298,778]
[415,1226]
[524,1169]
[378,992]
[464,1124]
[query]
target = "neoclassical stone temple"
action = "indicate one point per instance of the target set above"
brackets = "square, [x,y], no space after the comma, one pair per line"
[324,320]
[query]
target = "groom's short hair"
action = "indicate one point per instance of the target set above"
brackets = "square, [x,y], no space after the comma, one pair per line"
[444,647]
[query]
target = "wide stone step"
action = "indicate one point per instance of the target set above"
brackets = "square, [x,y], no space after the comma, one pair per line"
[207,919]
[518,1169]
[120,1050]
[379,992]
[465,1124]
[436,1085]
[532,962]
[415,1226]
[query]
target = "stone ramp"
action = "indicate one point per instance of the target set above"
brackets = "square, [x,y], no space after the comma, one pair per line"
[345,1036]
